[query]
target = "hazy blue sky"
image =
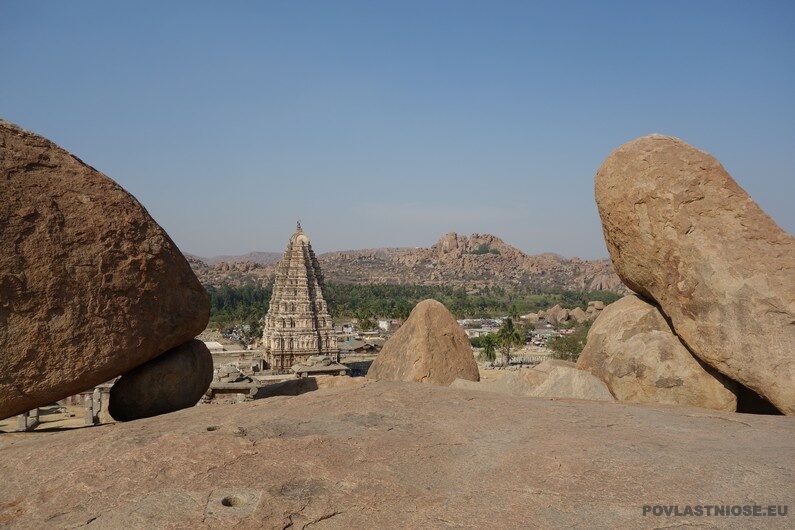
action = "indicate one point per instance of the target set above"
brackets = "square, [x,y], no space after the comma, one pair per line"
[392,123]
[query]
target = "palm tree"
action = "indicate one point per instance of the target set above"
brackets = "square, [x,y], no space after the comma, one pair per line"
[488,354]
[508,337]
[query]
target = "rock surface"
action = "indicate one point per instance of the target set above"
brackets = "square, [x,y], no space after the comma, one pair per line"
[173,380]
[430,347]
[681,232]
[513,383]
[571,383]
[296,387]
[401,455]
[90,285]
[633,349]
[550,379]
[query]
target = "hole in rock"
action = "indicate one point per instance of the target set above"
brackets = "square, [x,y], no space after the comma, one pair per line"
[213,427]
[233,501]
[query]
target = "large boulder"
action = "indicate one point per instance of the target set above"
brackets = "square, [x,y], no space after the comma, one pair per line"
[174,380]
[681,232]
[90,285]
[430,347]
[633,349]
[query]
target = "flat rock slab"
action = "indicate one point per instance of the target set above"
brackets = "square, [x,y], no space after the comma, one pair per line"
[401,455]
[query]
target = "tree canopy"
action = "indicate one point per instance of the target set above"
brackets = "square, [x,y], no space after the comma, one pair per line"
[508,336]
[247,304]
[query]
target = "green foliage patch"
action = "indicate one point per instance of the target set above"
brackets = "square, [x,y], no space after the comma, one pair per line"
[569,347]
[248,304]
[484,248]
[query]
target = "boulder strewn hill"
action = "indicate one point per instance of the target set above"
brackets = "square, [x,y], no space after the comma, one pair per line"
[234,273]
[463,261]
[261,258]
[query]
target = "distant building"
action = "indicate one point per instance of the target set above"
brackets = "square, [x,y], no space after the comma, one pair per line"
[354,346]
[479,332]
[389,325]
[298,324]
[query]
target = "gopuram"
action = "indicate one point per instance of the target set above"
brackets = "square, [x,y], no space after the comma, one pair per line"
[298,324]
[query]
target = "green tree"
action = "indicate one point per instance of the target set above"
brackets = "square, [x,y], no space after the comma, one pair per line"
[569,347]
[508,336]
[367,324]
[489,353]
[513,311]
[241,304]
[402,310]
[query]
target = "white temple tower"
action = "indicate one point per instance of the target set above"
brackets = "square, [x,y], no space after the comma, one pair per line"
[298,324]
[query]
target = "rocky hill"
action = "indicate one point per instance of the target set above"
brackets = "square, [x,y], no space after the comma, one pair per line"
[234,273]
[463,261]
[261,258]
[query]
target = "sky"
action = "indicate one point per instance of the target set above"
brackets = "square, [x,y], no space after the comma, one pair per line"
[389,124]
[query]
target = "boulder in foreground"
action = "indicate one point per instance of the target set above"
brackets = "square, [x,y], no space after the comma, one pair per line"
[430,347]
[632,348]
[90,285]
[682,233]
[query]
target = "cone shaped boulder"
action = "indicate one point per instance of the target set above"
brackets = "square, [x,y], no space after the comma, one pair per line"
[430,347]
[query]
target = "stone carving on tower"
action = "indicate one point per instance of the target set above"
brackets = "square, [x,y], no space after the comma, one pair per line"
[298,324]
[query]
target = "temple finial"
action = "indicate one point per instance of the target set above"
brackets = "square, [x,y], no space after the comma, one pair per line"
[298,226]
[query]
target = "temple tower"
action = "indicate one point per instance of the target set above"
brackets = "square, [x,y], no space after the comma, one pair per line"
[298,324]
